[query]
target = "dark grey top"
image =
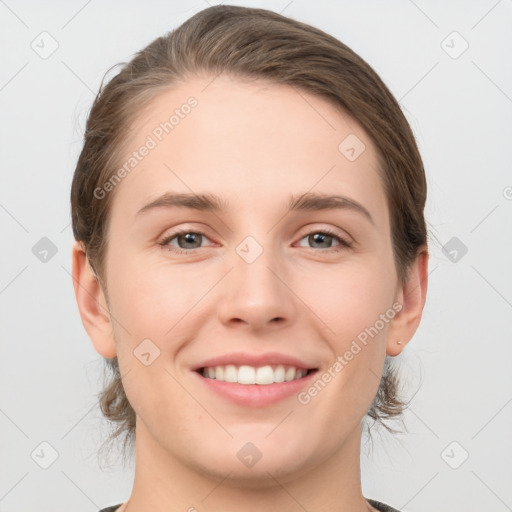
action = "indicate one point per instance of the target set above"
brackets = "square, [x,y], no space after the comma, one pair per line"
[377,504]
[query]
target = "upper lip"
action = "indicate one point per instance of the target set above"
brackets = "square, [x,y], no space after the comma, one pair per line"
[255,360]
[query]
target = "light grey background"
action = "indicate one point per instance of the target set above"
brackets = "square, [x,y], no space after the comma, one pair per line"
[460,110]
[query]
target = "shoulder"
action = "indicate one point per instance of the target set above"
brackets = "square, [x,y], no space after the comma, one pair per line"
[382,507]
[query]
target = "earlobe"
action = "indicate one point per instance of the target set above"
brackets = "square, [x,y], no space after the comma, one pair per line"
[92,303]
[412,297]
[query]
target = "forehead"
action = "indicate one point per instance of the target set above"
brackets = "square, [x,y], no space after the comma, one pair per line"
[243,139]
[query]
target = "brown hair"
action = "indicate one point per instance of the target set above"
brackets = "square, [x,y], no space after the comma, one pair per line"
[249,43]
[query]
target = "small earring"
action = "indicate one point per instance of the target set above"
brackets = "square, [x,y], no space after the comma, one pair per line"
[398,342]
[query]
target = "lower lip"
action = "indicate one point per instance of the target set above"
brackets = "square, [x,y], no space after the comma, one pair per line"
[256,395]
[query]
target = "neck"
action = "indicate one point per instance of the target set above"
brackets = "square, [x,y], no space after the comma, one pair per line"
[165,484]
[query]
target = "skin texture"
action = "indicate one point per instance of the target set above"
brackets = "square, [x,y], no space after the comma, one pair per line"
[253,144]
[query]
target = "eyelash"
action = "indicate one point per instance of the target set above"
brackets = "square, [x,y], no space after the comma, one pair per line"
[343,244]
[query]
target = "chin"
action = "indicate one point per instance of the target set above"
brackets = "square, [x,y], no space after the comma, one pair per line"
[254,464]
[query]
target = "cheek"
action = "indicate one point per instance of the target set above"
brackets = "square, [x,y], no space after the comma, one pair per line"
[154,299]
[153,305]
[353,307]
[348,298]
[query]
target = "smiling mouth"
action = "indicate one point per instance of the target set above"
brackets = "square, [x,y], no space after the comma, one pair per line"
[263,375]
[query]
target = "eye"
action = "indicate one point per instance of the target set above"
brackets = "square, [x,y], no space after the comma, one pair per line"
[325,239]
[187,241]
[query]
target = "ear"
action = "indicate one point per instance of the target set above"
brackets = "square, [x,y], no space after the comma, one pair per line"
[92,303]
[412,298]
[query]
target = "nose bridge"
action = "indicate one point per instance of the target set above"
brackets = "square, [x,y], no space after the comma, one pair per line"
[256,293]
[255,267]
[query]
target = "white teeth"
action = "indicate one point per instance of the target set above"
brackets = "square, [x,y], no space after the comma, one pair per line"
[230,373]
[290,374]
[265,375]
[247,375]
[250,375]
[279,374]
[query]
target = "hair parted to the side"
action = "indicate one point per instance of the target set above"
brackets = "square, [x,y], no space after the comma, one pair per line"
[251,44]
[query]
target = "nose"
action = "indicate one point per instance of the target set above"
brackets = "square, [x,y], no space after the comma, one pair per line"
[257,293]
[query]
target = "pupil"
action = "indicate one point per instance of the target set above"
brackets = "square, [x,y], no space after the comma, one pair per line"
[189,238]
[319,238]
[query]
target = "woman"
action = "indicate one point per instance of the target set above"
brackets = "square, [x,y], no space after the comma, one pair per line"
[250,252]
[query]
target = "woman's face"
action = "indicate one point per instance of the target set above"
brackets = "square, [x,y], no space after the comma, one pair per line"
[255,283]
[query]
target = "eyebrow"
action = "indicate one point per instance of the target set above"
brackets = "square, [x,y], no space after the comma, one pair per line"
[308,201]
